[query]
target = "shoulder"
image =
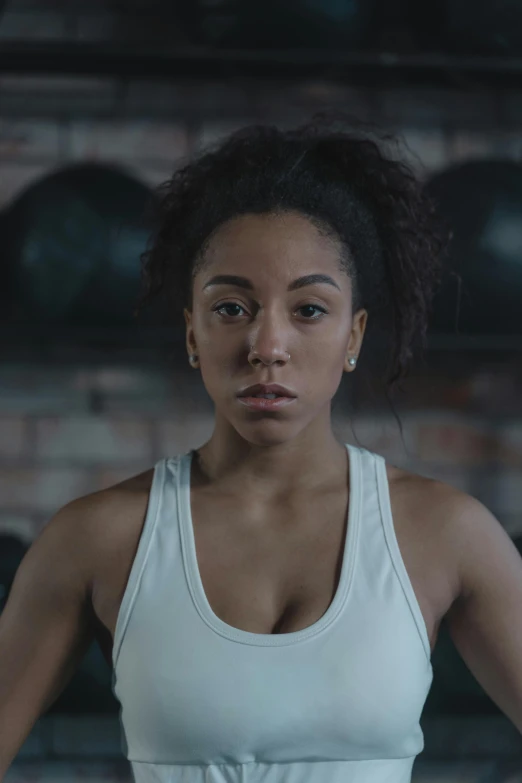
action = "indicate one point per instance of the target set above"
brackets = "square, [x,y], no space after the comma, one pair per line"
[425,501]
[112,504]
[421,509]
[96,529]
[462,530]
[436,501]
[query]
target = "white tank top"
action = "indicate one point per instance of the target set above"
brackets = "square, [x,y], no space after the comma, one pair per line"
[204,702]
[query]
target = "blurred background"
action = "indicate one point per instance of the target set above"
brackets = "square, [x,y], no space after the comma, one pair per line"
[101,101]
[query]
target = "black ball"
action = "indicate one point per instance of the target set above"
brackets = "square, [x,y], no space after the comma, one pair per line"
[481,202]
[74,245]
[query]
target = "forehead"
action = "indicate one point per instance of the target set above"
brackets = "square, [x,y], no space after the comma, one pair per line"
[272,238]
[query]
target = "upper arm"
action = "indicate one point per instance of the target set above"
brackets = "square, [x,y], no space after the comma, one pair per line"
[485,621]
[45,627]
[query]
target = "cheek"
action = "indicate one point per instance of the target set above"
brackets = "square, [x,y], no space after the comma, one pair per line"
[328,377]
[219,370]
[327,354]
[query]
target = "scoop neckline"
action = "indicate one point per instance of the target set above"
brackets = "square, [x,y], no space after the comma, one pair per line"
[194,577]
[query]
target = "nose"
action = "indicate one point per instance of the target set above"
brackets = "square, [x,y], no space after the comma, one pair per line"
[267,341]
[265,349]
[276,356]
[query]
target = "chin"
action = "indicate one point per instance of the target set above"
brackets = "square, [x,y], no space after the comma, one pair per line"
[265,433]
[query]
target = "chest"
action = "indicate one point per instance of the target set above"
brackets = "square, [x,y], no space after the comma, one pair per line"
[277,570]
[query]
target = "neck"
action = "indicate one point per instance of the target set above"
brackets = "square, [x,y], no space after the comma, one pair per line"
[306,463]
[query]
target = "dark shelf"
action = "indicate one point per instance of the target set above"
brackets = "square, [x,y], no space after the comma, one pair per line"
[201,63]
[52,343]
[67,345]
[463,343]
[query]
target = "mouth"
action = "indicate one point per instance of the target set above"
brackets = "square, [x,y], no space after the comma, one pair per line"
[268,391]
[270,402]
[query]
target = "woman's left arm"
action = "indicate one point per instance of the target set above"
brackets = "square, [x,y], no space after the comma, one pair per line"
[485,621]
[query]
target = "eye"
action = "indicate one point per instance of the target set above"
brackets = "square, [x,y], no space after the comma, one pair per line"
[225,305]
[303,307]
[314,307]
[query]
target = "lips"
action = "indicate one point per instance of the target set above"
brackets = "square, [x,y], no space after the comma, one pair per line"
[271,388]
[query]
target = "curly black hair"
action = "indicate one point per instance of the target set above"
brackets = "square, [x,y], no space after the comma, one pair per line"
[332,170]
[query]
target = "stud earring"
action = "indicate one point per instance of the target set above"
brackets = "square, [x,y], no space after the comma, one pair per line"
[352,361]
[193,358]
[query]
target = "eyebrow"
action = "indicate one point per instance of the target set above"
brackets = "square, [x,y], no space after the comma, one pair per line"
[244,282]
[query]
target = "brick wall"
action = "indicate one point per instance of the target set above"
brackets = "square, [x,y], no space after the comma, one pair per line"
[55,447]
[69,430]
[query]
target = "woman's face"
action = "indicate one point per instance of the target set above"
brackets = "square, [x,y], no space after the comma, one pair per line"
[313,323]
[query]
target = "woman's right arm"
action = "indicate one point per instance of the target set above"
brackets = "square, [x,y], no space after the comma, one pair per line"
[46,626]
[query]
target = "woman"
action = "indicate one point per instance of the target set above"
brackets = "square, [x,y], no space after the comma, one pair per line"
[270,600]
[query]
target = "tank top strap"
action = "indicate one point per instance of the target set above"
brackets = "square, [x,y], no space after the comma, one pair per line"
[156,495]
[379,543]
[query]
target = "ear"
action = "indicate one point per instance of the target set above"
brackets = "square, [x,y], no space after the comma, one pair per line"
[190,339]
[359,322]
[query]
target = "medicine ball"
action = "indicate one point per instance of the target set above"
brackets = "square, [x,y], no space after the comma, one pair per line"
[272,25]
[74,245]
[481,202]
